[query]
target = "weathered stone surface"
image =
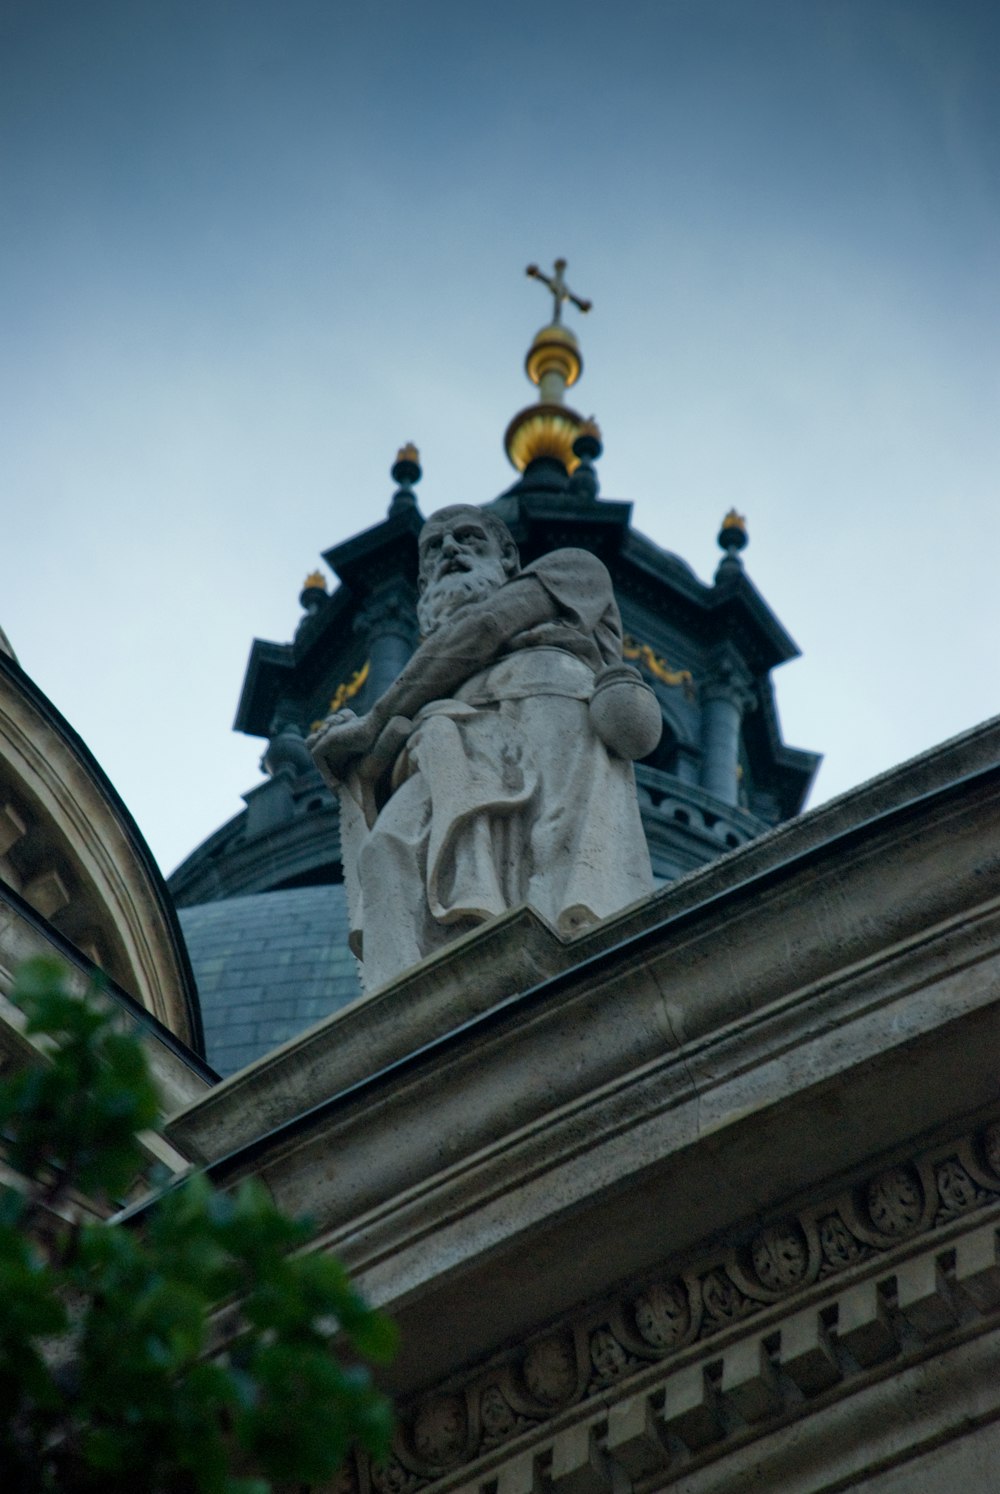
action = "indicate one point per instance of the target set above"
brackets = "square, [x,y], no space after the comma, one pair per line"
[461,982]
[807,1354]
[977,1267]
[637,1437]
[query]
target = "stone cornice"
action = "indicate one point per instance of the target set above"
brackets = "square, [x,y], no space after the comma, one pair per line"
[695,1058]
[678,1369]
[512,953]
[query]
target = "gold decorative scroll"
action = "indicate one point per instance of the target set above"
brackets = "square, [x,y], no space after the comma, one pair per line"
[350,688]
[346,691]
[653,663]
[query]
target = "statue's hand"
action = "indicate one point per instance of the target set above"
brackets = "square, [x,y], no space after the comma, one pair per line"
[337,718]
[341,738]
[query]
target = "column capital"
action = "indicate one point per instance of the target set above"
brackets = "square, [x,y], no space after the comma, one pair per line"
[388,612]
[728,678]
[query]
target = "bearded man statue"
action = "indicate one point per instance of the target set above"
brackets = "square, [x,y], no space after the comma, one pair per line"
[497,769]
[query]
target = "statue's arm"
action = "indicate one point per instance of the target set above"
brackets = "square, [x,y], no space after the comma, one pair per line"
[458,650]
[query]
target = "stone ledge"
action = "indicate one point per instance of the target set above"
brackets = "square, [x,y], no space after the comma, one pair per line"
[928,815]
[509,954]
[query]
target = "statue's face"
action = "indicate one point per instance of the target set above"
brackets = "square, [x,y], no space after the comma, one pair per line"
[457,544]
[461,561]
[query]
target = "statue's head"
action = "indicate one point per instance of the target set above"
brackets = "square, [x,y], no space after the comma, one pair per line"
[465,553]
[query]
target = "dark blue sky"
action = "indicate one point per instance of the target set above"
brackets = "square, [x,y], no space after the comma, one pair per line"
[248,249]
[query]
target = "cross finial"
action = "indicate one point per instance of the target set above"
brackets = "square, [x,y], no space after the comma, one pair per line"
[560,290]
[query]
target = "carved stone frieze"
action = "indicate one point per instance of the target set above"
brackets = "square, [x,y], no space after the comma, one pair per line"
[724,1302]
[497,1416]
[608,1344]
[440,1430]
[391,1477]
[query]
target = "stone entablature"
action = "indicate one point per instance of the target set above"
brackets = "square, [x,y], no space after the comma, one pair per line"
[664,1377]
[520,1122]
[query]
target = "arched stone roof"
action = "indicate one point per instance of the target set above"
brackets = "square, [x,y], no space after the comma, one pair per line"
[71,850]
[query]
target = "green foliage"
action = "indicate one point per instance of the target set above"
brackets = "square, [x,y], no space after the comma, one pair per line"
[114,1374]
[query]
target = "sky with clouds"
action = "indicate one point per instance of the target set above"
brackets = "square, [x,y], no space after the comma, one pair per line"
[248,249]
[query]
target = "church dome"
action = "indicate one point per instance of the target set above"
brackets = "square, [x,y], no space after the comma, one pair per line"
[267,965]
[262,901]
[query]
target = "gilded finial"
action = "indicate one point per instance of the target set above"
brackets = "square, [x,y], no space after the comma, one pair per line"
[312,597]
[553,362]
[732,538]
[405,471]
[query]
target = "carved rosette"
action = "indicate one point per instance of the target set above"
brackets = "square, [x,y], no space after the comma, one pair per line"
[391,1477]
[550,1370]
[724,1302]
[894,1201]
[957,1191]
[440,1431]
[780,1257]
[662,1315]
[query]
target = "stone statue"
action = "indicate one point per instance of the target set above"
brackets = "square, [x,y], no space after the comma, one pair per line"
[496,770]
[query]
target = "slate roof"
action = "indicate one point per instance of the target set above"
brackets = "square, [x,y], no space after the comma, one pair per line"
[267,965]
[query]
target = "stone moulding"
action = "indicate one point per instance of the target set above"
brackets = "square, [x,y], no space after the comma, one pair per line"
[70,849]
[698,1358]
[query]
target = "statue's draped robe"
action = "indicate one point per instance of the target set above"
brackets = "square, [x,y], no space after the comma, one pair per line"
[505,795]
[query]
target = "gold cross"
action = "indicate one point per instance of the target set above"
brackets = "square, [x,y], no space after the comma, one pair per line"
[560,290]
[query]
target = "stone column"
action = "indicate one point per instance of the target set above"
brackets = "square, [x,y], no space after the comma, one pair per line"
[389,622]
[725,697]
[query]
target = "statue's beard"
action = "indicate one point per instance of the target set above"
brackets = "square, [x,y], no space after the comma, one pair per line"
[449,593]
